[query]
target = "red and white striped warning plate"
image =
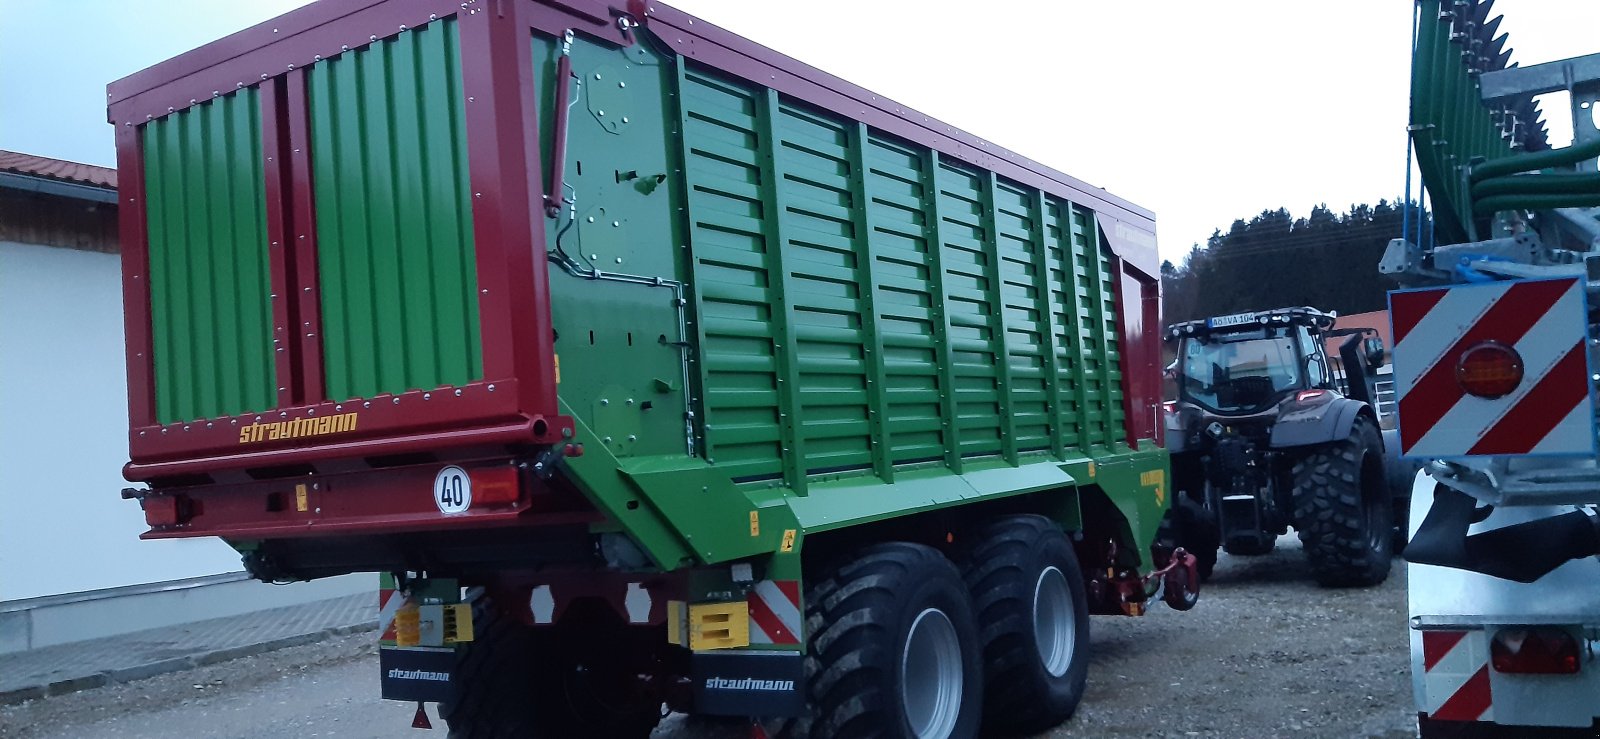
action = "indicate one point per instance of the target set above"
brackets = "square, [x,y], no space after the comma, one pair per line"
[389,603]
[1455,668]
[1549,411]
[775,612]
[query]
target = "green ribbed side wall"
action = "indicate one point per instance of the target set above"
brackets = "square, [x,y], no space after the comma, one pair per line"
[867,303]
[210,284]
[398,272]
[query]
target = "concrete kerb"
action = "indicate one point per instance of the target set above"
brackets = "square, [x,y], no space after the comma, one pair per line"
[151,669]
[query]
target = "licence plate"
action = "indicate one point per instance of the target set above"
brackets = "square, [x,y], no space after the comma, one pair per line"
[1236,319]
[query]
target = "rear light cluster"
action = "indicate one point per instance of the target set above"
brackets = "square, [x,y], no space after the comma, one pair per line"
[166,510]
[1489,370]
[494,484]
[1535,650]
[1305,396]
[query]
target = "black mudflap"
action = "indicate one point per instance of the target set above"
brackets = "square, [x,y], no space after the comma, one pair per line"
[1522,552]
[734,682]
[417,673]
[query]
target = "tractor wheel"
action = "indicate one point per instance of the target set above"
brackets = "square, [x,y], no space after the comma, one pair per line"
[892,649]
[1342,510]
[493,679]
[1033,619]
[1198,534]
[577,678]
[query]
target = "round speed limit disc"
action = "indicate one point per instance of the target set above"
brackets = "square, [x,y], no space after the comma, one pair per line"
[452,490]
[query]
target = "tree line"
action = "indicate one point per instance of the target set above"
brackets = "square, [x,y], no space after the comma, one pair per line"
[1326,260]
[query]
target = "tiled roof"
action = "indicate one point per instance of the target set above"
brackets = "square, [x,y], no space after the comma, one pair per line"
[58,169]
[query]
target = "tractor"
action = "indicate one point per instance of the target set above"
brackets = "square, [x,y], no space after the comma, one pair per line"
[1268,432]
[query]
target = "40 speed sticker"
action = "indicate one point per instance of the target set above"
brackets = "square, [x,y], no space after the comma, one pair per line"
[452,490]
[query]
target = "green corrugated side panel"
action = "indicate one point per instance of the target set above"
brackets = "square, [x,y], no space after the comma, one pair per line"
[398,272]
[210,286]
[1090,361]
[993,305]
[1110,342]
[823,254]
[907,299]
[1025,315]
[734,284]
[1449,122]
[975,348]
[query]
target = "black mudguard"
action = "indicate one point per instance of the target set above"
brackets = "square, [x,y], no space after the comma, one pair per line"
[1304,425]
[1522,552]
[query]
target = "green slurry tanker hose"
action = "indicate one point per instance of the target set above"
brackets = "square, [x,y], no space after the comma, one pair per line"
[1539,184]
[1538,160]
[1546,201]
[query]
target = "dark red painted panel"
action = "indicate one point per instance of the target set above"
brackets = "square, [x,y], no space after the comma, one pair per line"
[279,256]
[366,502]
[219,443]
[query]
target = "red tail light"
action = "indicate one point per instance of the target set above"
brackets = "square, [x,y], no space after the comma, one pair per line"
[1534,650]
[1308,395]
[494,485]
[1489,370]
[165,510]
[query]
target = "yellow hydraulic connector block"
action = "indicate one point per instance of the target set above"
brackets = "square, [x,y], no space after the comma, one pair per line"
[678,623]
[457,623]
[408,626]
[719,625]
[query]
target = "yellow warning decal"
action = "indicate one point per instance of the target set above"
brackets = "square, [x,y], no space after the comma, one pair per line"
[1158,480]
[788,541]
[300,502]
[755,523]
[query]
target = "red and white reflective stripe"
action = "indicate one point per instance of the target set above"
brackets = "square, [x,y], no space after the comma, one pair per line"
[775,612]
[389,603]
[1543,320]
[1456,675]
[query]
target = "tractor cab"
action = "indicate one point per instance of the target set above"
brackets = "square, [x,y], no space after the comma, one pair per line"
[1248,364]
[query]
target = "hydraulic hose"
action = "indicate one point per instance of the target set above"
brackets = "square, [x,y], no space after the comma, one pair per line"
[1536,201]
[1537,160]
[1587,182]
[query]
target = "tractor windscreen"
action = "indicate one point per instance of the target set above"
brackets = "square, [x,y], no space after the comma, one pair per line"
[1240,372]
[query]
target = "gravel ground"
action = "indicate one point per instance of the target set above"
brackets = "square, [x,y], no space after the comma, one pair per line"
[1265,654]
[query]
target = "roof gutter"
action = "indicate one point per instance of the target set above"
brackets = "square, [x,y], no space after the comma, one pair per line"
[59,188]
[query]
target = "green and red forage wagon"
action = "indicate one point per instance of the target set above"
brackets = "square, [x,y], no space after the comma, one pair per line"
[653,368]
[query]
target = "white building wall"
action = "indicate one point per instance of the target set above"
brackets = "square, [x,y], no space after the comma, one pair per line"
[64,528]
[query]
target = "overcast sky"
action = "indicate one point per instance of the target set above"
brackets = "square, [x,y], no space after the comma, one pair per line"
[1201,111]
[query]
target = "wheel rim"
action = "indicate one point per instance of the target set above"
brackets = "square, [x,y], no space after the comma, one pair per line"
[930,688]
[1054,628]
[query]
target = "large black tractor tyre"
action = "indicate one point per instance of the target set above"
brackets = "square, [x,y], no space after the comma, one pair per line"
[515,682]
[1342,509]
[1033,621]
[893,649]
[493,679]
[1198,533]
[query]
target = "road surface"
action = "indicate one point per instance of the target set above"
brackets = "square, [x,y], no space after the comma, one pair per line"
[1266,653]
